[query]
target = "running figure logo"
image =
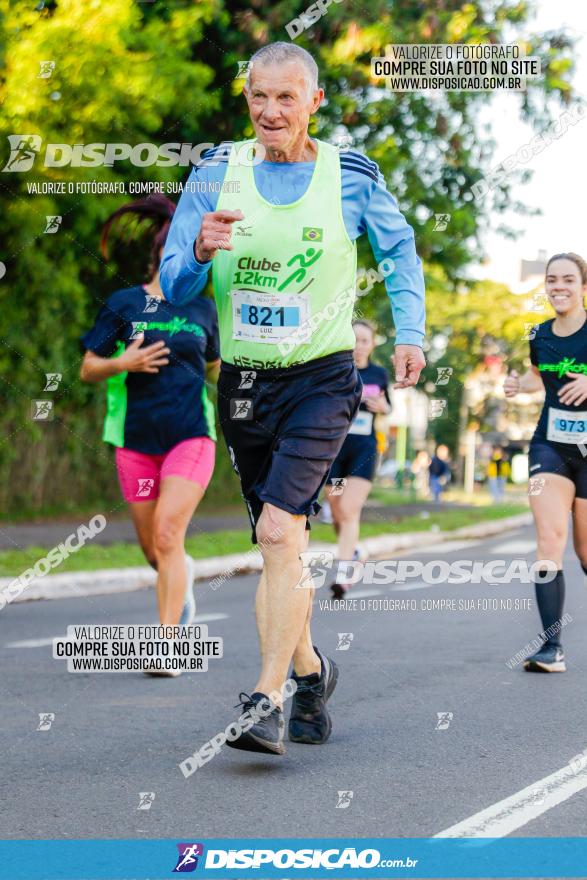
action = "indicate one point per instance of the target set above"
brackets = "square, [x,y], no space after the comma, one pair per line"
[314,569]
[146,800]
[444,719]
[344,800]
[338,484]
[343,142]
[42,410]
[444,374]
[538,302]
[344,641]
[23,151]
[441,222]
[243,69]
[145,486]
[47,68]
[536,485]
[241,409]
[46,719]
[188,857]
[247,379]
[436,408]
[52,381]
[53,223]
[305,260]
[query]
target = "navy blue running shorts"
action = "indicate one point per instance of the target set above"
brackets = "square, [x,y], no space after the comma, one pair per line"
[285,426]
[357,458]
[553,458]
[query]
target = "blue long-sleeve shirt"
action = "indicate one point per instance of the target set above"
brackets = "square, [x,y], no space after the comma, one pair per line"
[367,206]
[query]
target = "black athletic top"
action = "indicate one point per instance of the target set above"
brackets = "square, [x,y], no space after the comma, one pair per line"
[554,356]
[375,379]
[153,412]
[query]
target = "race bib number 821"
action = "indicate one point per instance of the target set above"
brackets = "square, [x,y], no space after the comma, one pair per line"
[267,317]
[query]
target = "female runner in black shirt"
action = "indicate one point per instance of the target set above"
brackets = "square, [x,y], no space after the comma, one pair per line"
[558,451]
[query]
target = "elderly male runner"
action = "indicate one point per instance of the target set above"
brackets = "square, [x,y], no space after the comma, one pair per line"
[280,238]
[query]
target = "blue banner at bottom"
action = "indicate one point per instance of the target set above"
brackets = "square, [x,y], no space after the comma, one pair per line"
[287,858]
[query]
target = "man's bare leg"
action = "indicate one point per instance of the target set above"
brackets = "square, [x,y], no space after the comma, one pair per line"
[282,610]
[304,658]
[261,611]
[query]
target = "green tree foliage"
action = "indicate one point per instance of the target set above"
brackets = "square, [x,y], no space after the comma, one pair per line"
[130,72]
[119,77]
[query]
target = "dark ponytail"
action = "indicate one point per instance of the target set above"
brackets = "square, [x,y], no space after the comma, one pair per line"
[155,210]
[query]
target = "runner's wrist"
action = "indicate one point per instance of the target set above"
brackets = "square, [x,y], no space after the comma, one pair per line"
[118,365]
[200,258]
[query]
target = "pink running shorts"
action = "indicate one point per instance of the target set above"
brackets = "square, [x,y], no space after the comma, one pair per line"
[140,474]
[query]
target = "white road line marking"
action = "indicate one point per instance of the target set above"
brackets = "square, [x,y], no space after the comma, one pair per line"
[438,550]
[513,812]
[358,594]
[416,585]
[43,643]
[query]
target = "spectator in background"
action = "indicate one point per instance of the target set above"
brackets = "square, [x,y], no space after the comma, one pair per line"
[498,471]
[419,469]
[439,475]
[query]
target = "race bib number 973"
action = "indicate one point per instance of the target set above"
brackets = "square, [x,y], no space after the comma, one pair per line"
[566,426]
[362,423]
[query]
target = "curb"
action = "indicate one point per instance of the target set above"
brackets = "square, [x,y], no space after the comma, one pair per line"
[218,569]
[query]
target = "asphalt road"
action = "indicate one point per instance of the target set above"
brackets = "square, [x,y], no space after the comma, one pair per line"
[18,536]
[117,735]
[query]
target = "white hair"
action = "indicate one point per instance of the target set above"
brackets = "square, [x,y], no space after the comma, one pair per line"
[280,53]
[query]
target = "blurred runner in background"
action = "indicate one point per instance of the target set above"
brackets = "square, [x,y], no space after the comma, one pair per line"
[352,472]
[439,473]
[156,358]
[498,471]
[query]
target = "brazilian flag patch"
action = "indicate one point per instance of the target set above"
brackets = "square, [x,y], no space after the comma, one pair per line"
[312,233]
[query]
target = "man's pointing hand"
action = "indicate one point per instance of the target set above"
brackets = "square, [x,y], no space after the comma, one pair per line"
[215,234]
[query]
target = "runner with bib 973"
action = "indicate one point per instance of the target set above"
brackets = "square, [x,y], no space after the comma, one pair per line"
[558,450]
[280,240]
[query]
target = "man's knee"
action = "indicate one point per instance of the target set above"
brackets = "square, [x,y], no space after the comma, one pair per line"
[278,530]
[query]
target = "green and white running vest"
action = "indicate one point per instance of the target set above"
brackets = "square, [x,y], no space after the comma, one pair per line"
[285,294]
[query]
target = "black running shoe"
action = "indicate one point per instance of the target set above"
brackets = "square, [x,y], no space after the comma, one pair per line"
[339,591]
[549,658]
[309,721]
[266,733]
